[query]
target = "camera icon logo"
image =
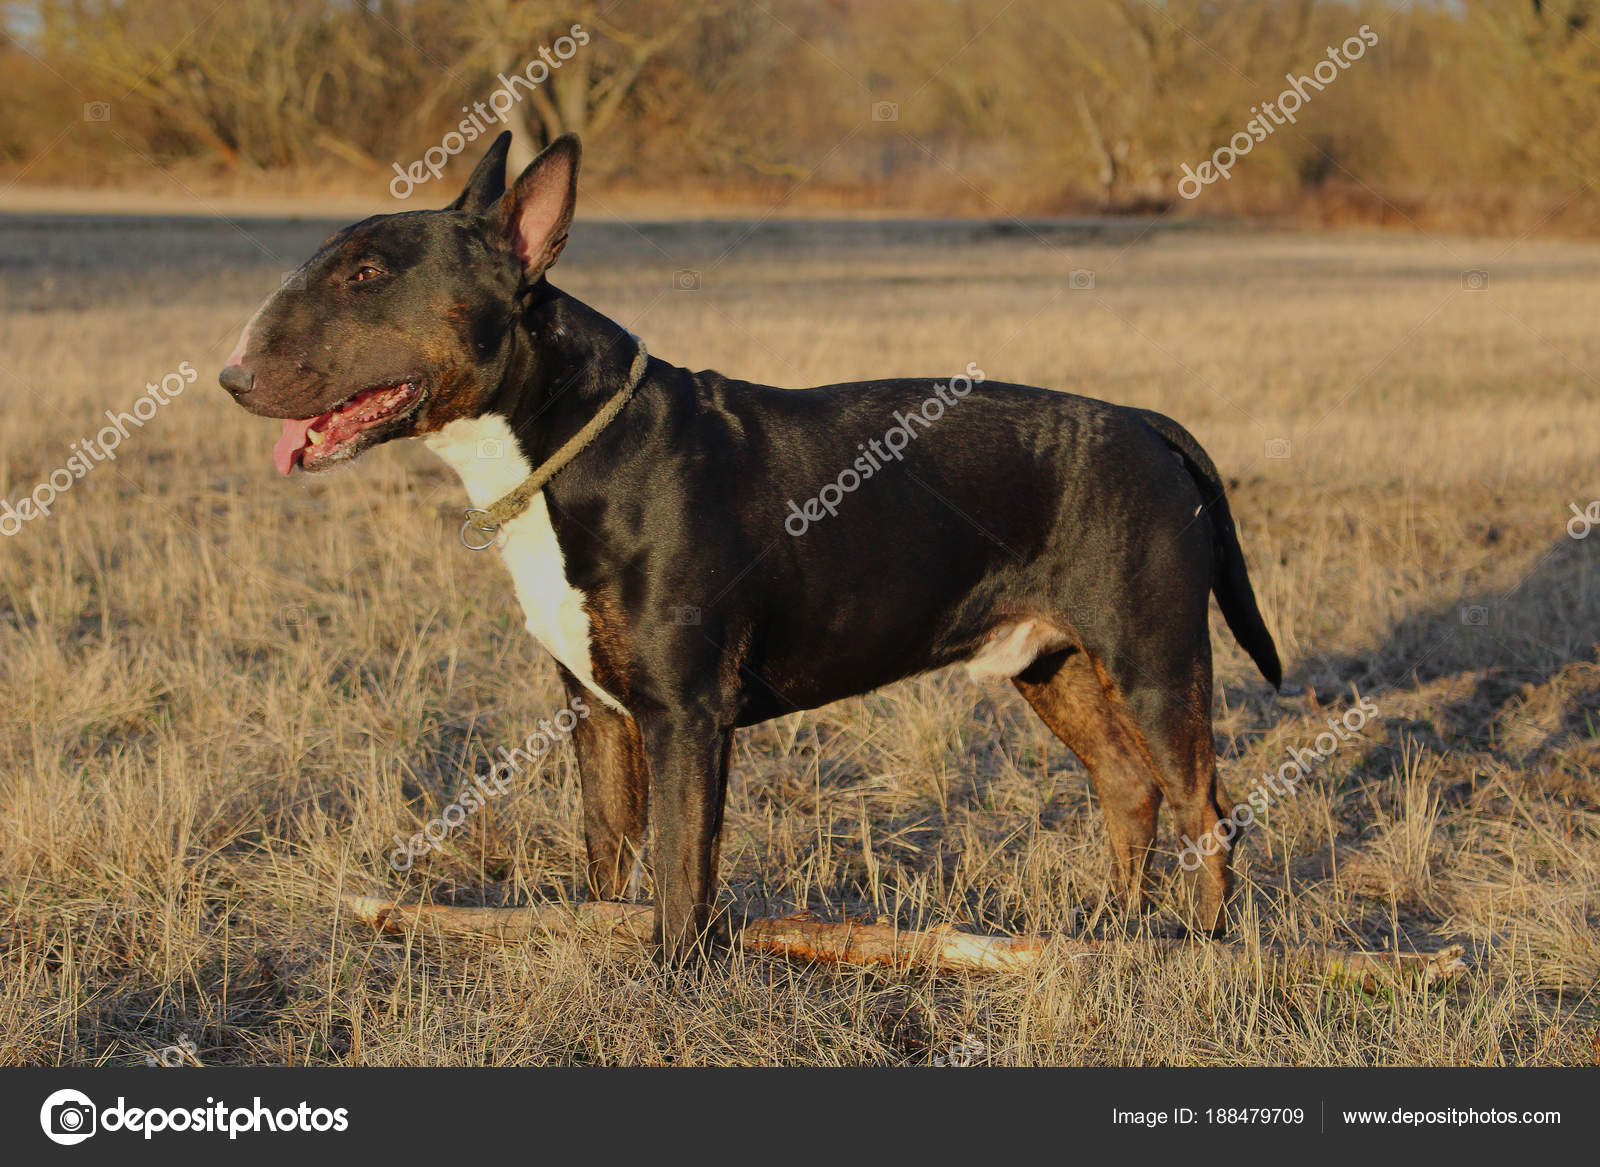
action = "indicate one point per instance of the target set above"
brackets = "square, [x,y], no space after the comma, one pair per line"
[1080,279]
[97,111]
[490,449]
[686,615]
[886,111]
[1279,448]
[1475,616]
[68,1117]
[1476,280]
[686,279]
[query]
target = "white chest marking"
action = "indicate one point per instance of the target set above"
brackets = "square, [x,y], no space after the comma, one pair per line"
[484,453]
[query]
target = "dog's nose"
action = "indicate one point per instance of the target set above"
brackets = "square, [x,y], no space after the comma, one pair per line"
[236,379]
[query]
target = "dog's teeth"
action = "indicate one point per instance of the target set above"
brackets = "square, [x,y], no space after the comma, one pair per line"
[315,437]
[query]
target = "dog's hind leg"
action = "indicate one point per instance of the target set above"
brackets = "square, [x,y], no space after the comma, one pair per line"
[616,785]
[1177,720]
[1071,694]
[1145,737]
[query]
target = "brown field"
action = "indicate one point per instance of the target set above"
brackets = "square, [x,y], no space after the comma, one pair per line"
[224,694]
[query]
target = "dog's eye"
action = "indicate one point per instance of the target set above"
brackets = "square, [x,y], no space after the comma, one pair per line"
[365,272]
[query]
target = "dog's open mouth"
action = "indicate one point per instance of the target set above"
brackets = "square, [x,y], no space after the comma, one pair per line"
[315,442]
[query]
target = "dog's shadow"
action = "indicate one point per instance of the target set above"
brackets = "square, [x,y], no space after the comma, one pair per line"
[1526,658]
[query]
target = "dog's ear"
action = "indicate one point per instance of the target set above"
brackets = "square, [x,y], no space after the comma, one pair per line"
[488,181]
[533,216]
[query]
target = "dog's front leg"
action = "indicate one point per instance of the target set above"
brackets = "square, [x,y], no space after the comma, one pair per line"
[616,786]
[688,755]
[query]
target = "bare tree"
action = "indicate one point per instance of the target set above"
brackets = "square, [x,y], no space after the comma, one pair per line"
[260,82]
[586,91]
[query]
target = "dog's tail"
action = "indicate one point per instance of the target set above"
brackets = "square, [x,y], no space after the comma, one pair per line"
[1230,580]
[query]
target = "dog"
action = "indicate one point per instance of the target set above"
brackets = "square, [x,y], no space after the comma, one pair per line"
[648,517]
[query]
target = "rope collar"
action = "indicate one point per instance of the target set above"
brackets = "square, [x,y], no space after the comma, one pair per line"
[484,523]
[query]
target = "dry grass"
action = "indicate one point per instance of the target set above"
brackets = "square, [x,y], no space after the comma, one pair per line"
[224,695]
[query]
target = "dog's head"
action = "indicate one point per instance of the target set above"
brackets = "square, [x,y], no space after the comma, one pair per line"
[402,323]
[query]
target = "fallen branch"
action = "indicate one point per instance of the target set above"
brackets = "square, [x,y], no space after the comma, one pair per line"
[853,942]
[525,923]
[805,937]
[801,937]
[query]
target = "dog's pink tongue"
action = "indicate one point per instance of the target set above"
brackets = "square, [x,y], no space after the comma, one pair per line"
[287,452]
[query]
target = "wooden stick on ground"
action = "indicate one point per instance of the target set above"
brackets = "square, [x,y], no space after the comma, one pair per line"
[800,937]
[804,937]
